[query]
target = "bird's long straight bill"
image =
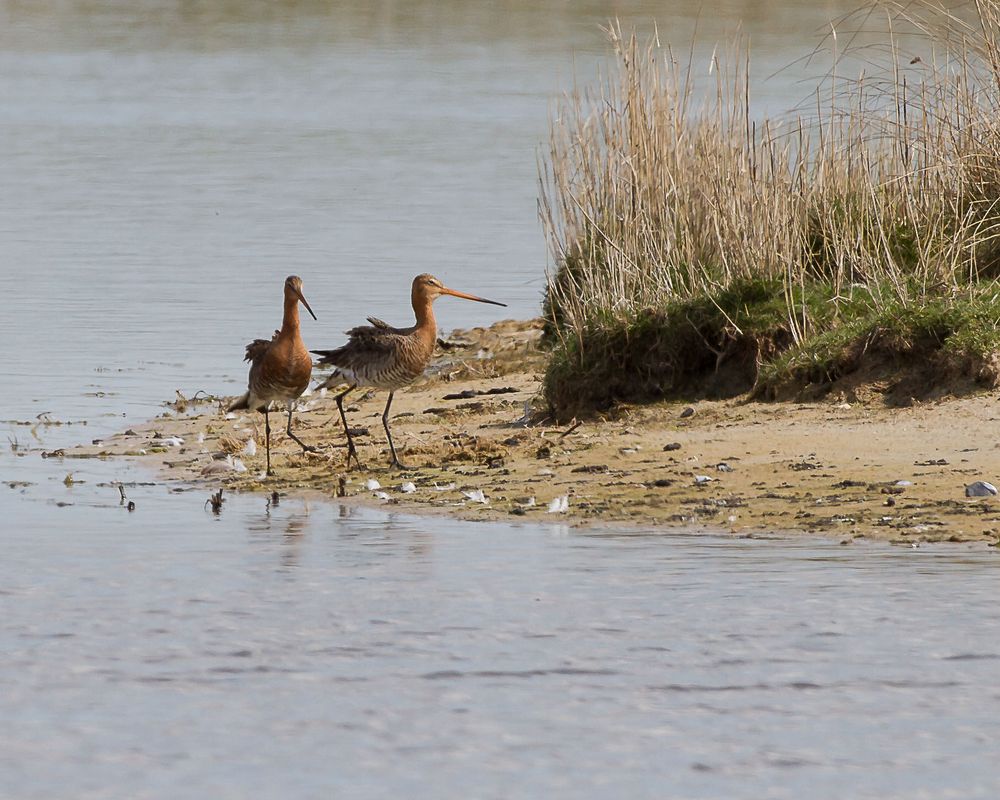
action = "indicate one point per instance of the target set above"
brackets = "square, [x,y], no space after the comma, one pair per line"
[465,296]
[303,299]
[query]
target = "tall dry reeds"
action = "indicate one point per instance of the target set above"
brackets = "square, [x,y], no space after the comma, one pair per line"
[886,183]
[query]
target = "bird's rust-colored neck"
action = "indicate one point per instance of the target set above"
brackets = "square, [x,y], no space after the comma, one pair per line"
[290,320]
[423,309]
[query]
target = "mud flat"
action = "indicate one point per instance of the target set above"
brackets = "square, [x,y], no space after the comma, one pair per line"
[476,433]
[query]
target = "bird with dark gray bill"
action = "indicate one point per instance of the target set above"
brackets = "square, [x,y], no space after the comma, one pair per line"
[280,368]
[383,357]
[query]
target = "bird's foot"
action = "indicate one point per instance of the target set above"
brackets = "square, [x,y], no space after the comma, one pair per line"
[352,453]
[397,464]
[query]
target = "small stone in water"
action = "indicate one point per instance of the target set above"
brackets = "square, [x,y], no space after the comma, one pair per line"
[980,489]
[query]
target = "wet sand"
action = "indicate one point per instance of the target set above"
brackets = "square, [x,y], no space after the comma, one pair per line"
[476,423]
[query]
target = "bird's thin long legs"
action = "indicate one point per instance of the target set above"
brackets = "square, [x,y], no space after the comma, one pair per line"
[306,447]
[351,450]
[388,434]
[267,441]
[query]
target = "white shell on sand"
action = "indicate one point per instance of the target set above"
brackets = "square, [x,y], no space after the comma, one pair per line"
[980,489]
[559,505]
[476,496]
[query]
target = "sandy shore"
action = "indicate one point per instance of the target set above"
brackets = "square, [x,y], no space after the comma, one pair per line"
[475,425]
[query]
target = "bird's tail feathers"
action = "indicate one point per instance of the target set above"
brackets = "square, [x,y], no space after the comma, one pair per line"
[333,380]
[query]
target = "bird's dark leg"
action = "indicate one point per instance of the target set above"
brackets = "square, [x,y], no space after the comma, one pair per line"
[307,447]
[267,442]
[396,463]
[351,450]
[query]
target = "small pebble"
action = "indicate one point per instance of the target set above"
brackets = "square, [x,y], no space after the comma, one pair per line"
[687,412]
[672,446]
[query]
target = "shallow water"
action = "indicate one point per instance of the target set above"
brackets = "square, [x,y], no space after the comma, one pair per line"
[165,165]
[312,650]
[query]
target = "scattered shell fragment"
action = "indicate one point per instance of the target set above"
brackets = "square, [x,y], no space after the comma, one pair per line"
[559,505]
[980,489]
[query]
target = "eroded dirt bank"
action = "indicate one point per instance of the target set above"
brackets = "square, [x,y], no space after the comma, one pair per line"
[474,425]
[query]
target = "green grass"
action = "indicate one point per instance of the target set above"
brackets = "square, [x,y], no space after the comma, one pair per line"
[741,340]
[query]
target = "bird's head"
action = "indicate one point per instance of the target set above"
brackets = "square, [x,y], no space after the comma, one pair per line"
[427,288]
[293,289]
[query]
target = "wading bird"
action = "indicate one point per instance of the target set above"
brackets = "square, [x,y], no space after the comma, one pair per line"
[280,368]
[384,357]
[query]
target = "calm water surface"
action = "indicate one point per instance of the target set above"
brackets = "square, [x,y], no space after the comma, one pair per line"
[164,166]
[315,651]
